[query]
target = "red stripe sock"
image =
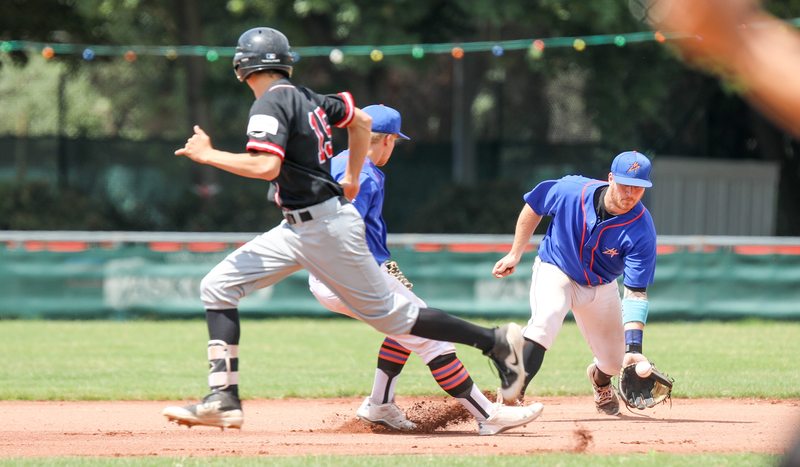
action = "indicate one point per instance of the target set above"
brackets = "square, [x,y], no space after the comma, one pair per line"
[451,375]
[392,357]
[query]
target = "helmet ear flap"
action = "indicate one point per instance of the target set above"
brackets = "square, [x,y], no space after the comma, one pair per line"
[262,49]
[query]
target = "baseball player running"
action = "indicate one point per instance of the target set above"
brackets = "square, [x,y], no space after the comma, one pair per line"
[598,232]
[289,144]
[445,366]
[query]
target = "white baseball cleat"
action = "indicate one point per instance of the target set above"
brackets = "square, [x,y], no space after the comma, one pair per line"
[506,417]
[388,415]
[220,409]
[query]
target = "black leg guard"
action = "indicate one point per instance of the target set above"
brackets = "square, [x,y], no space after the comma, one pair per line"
[223,352]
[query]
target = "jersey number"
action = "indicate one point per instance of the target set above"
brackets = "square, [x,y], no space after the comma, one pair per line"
[319,122]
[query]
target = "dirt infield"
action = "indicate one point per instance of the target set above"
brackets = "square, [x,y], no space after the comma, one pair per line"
[328,426]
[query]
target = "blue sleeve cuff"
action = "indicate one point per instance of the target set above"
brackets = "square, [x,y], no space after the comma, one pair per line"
[634,310]
[633,340]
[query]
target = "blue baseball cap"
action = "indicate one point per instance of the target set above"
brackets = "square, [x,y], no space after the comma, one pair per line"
[632,168]
[385,120]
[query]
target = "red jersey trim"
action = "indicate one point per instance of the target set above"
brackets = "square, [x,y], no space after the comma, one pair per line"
[583,233]
[350,109]
[263,146]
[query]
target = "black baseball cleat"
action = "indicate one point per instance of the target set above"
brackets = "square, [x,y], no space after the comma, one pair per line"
[220,408]
[507,357]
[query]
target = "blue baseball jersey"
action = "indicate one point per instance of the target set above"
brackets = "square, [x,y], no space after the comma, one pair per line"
[369,202]
[588,251]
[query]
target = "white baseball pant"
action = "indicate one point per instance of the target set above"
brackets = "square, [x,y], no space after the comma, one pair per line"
[597,311]
[427,349]
[331,246]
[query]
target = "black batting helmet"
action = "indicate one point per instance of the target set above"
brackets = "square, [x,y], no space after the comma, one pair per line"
[262,49]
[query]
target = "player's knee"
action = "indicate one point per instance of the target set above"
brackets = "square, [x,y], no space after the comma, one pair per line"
[216,295]
[330,301]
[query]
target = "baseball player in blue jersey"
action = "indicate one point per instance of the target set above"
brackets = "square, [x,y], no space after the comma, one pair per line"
[289,145]
[448,371]
[599,231]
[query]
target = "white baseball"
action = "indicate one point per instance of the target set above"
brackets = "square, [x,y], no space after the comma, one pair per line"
[643,369]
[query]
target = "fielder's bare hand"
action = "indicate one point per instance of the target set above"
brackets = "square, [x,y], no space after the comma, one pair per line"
[506,266]
[198,147]
[632,358]
[350,188]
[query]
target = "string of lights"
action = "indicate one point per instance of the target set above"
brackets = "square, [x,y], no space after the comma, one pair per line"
[336,54]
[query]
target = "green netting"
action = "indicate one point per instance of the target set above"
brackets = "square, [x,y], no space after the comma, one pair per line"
[132,280]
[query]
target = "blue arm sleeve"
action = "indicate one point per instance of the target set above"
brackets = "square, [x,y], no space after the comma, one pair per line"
[634,310]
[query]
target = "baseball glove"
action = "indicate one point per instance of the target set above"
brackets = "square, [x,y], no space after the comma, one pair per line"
[644,392]
[395,271]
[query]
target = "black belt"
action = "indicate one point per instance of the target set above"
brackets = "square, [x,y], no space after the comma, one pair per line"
[305,216]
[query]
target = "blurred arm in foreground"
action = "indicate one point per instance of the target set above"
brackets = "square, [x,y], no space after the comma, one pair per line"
[742,44]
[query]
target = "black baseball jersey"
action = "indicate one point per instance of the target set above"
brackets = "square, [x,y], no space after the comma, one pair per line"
[293,123]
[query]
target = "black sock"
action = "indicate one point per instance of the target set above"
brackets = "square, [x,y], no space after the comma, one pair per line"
[533,356]
[600,378]
[438,325]
[392,357]
[453,377]
[223,325]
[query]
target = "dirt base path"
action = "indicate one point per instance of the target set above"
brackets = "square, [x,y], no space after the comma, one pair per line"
[328,426]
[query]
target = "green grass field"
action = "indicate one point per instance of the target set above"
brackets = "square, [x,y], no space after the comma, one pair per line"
[153,360]
[148,360]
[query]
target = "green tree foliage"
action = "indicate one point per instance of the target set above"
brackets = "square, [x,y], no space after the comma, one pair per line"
[151,97]
[40,206]
[525,107]
[440,216]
